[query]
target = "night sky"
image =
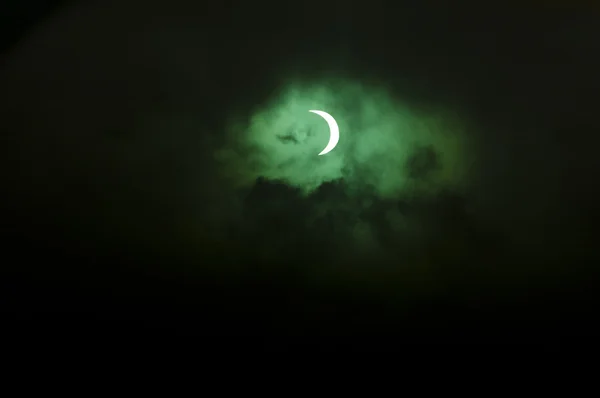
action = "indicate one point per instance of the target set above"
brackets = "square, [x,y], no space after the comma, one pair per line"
[161,173]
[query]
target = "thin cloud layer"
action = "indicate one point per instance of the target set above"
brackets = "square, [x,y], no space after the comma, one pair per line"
[384,143]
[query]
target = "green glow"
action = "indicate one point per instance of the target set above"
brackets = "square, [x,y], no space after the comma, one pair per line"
[382,145]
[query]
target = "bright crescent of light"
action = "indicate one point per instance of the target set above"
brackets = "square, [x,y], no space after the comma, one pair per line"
[334,131]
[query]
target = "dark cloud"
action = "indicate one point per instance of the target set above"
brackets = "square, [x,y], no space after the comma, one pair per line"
[422,163]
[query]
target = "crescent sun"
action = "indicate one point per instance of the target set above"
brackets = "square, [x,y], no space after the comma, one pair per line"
[334,131]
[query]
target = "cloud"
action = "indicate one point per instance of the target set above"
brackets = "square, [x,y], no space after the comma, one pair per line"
[384,142]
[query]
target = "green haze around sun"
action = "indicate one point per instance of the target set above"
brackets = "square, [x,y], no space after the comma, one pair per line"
[386,145]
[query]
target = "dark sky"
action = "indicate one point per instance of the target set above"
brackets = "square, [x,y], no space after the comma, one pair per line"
[116,209]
